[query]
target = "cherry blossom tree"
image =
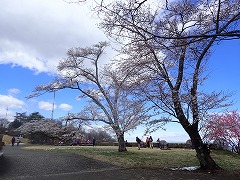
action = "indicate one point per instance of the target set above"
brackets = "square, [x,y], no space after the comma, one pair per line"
[46,130]
[169,43]
[100,135]
[42,130]
[105,87]
[224,127]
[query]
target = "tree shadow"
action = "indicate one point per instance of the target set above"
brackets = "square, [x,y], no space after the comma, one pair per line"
[4,165]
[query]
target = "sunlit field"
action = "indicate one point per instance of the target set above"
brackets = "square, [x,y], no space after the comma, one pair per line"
[7,139]
[146,158]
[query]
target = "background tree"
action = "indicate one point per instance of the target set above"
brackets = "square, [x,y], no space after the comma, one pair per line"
[35,116]
[43,131]
[223,127]
[169,45]
[100,135]
[110,100]
[84,131]
[4,122]
[15,124]
[3,125]
[21,117]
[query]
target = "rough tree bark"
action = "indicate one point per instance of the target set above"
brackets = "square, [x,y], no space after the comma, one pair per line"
[121,143]
[202,150]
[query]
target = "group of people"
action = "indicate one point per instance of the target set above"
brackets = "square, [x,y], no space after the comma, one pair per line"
[149,142]
[76,141]
[14,140]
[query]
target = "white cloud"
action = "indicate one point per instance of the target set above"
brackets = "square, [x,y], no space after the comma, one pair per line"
[175,137]
[14,91]
[44,105]
[37,34]
[10,102]
[65,107]
[8,114]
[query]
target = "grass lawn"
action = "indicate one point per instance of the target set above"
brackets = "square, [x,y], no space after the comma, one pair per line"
[146,158]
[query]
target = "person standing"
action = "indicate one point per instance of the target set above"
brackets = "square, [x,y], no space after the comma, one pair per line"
[151,142]
[18,141]
[94,142]
[158,141]
[147,142]
[138,142]
[13,141]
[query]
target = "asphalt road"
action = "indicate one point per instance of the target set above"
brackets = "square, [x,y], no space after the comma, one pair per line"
[23,164]
[18,163]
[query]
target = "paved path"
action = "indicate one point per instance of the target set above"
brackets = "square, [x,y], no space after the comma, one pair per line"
[23,164]
[18,163]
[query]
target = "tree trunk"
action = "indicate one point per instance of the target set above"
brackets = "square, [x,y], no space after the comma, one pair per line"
[121,143]
[203,151]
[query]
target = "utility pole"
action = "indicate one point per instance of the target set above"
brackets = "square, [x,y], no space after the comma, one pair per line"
[6,113]
[54,95]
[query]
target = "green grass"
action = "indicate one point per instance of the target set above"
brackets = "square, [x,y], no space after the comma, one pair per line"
[227,160]
[146,158]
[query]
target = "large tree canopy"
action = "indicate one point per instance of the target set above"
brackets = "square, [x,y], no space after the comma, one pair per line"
[168,45]
[187,20]
[106,88]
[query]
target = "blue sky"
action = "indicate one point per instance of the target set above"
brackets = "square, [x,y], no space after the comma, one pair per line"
[32,43]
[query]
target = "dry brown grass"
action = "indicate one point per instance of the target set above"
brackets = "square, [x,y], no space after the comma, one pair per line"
[7,139]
